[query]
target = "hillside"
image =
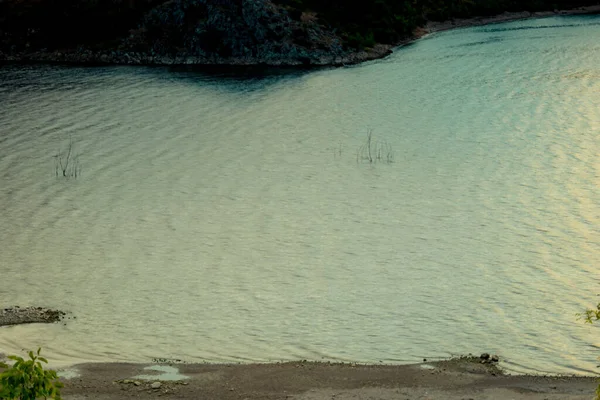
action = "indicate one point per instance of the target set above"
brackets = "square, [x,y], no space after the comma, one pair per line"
[227,31]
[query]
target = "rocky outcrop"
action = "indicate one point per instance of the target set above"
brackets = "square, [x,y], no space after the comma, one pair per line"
[235,32]
[29,315]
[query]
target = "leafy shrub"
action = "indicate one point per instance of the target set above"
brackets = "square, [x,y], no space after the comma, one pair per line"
[27,379]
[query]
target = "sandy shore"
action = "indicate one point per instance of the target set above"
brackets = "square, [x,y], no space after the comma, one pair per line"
[448,380]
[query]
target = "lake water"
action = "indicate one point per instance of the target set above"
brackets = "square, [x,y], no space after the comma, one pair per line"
[229,217]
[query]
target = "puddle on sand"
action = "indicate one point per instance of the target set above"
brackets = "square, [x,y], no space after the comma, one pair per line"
[68,373]
[168,374]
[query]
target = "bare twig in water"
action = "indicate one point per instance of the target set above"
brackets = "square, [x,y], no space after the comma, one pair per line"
[337,152]
[373,151]
[67,164]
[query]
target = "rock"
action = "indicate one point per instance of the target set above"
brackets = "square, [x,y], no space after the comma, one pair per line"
[29,315]
[495,358]
[485,356]
[137,383]
[156,385]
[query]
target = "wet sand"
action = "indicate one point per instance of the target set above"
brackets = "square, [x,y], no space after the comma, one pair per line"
[461,379]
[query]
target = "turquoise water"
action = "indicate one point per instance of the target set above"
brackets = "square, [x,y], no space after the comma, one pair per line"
[231,217]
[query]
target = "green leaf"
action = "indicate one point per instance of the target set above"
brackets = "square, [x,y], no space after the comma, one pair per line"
[27,380]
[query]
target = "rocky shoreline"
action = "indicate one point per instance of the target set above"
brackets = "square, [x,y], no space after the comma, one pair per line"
[29,315]
[317,58]
[119,57]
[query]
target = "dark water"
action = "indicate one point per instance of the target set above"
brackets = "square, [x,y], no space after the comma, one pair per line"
[233,217]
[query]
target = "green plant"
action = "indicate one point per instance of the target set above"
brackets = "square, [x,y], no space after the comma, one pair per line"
[27,379]
[590,316]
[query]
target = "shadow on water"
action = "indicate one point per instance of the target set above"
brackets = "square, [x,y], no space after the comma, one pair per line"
[228,79]
[231,77]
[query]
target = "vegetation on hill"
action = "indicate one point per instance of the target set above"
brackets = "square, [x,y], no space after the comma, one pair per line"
[47,25]
[387,21]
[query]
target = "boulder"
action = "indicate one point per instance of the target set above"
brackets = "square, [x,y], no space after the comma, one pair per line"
[156,385]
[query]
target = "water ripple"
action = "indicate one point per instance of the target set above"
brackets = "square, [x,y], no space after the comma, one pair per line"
[224,216]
